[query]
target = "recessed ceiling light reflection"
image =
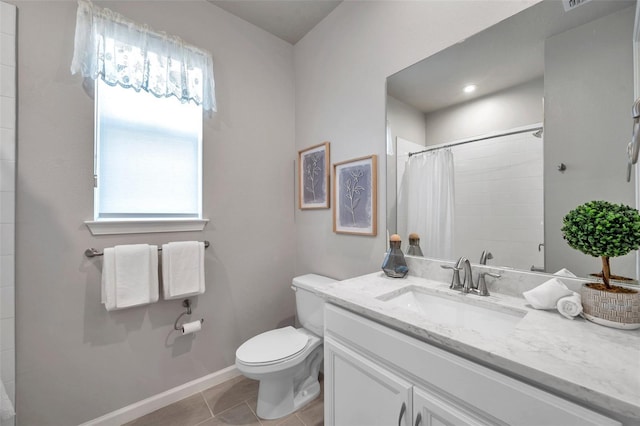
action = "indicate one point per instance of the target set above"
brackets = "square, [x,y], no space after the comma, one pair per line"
[469,88]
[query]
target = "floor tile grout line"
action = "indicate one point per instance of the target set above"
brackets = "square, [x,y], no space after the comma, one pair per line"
[301,421]
[253,412]
[207,403]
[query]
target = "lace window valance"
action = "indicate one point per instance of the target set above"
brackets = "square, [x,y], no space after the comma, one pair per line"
[120,51]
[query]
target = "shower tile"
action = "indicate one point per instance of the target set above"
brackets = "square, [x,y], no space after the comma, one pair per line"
[8,365]
[7,333]
[8,81]
[230,393]
[7,49]
[7,271]
[7,112]
[7,18]
[186,412]
[7,175]
[7,238]
[7,309]
[7,144]
[7,207]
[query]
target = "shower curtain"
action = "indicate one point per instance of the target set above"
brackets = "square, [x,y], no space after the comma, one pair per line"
[430,208]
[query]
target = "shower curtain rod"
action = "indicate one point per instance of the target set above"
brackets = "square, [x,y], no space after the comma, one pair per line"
[515,132]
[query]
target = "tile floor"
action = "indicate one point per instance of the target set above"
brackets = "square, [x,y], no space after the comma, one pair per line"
[230,403]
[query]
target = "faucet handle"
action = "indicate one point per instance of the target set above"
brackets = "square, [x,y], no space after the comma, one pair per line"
[455,279]
[482,283]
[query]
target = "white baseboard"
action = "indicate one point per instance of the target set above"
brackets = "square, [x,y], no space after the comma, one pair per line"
[146,406]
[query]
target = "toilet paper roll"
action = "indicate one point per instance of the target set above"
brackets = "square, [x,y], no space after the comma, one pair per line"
[191,327]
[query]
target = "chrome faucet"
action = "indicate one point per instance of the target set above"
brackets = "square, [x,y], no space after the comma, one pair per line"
[466,285]
[486,255]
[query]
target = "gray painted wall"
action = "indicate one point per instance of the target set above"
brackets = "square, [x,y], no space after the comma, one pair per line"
[341,67]
[510,108]
[591,134]
[75,360]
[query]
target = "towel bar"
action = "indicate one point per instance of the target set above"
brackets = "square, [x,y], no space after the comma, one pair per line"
[91,252]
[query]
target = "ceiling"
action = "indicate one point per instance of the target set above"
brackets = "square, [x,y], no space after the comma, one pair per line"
[503,56]
[289,20]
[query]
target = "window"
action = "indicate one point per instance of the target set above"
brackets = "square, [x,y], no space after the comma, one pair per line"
[151,90]
[148,161]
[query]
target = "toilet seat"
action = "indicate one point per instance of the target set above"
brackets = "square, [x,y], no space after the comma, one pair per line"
[272,347]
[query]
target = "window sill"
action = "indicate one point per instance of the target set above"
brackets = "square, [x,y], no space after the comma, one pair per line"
[110,227]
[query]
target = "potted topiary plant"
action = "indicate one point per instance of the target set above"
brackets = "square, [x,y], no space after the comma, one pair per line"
[605,230]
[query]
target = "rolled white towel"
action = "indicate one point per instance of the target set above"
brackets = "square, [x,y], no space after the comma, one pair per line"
[570,306]
[546,295]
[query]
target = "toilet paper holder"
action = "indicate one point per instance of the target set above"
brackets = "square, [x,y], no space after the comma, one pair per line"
[187,304]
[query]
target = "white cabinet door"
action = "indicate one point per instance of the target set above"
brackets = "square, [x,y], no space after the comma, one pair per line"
[359,392]
[431,410]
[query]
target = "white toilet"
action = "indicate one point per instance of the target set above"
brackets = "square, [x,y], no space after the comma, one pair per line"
[287,361]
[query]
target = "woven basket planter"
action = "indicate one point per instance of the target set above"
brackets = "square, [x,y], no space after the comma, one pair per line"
[617,310]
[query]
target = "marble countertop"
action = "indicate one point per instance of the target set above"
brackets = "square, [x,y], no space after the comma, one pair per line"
[591,363]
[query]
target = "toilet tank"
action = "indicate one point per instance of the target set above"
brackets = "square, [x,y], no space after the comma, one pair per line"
[309,306]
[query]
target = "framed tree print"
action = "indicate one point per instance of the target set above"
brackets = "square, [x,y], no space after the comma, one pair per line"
[355,189]
[313,176]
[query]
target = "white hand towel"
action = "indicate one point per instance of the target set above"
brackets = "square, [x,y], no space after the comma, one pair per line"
[136,268]
[564,272]
[546,295]
[570,306]
[129,276]
[182,269]
[109,279]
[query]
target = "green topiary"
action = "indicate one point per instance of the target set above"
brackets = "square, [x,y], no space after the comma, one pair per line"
[602,229]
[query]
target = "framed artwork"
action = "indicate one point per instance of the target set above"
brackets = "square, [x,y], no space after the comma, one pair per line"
[313,176]
[355,188]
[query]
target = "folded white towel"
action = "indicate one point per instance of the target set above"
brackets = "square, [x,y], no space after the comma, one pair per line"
[108,279]
[129,276]
[546,295]
[564,272]
[570,306]
[182,269]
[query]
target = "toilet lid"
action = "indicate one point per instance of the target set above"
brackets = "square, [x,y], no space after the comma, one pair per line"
[272,345]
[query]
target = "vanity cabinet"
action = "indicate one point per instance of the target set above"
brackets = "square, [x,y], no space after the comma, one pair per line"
[375,375]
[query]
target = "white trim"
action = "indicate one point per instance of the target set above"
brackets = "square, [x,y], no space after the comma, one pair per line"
[107,227]
[151,404]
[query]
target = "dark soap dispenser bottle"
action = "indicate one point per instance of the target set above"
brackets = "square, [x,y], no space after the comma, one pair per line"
[394,264]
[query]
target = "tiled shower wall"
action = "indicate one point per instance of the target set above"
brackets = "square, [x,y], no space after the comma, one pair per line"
[499,200]
[7,206]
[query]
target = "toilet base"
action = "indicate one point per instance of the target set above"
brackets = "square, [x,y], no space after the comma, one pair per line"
[279,396]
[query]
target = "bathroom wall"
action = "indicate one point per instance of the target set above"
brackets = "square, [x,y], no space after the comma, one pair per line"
[516,106]
[77,362]
[340,69]
[7,204]
[574,116]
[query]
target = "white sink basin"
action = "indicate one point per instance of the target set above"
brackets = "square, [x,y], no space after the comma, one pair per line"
[455,310]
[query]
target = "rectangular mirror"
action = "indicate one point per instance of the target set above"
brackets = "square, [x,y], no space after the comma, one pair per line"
[497,166]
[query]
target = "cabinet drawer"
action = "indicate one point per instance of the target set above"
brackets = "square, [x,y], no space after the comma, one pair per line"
[474,385]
